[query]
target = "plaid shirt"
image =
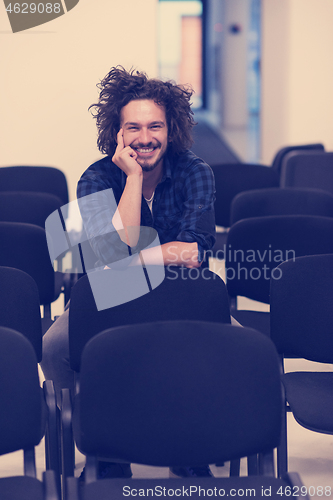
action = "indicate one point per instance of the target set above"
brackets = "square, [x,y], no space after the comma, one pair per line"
[182,210]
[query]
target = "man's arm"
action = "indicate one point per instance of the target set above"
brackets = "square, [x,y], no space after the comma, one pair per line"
[177,253]
[180,253]
[127,217]
[129,207]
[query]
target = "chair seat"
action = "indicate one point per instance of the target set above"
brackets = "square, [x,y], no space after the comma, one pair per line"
[317,388]
[259,320]
[118,488]
[24,487]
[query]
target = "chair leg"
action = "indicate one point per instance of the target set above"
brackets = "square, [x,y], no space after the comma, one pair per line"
[72,488]
[235,467]
[282,451]
[50,486]
[29,462]
[252,465]
[67,441]
[266,464]
[91,469]
[52,441]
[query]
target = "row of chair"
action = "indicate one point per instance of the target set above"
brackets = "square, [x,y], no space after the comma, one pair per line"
[305,189]
[31,194]
[204,352]
[200,297]
[305,166]
[167,317]
[28,195]
[25,247]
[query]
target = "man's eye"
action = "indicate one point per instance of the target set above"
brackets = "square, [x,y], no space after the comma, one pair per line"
[132,128]
[156,126]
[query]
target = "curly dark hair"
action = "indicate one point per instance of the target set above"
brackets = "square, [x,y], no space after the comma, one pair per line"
[119,87]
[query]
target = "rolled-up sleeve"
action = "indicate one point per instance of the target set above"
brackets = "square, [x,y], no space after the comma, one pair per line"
[198,217]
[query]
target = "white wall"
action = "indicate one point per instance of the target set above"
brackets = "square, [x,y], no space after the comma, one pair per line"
[297,74]
[49,77]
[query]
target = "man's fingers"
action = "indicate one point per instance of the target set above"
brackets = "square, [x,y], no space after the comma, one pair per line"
[121,145]
[132,153]
[120,139]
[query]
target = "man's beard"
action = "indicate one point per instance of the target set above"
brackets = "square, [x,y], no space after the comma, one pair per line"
[150,168]
[145,165]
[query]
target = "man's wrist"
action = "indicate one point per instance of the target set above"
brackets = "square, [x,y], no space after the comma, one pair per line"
[135,177]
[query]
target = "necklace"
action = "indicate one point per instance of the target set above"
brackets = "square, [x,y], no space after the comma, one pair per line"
[150,199]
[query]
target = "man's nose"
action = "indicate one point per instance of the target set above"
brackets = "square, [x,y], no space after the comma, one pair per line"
[145,136]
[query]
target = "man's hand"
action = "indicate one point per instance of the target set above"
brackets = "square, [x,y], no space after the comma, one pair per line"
[125,157]
[181,253]
[177,253]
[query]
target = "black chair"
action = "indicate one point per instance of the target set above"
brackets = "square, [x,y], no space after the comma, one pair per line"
[314,170]
[284,152]
[34,183]
[301,327]
[34,208]
[277,201]
[23,418]
[29,207]
[231,179]
[183,295]
[178,393]
[234,178]
[256,246]
[20,311]
[23,246]
[20,307]
[37,179]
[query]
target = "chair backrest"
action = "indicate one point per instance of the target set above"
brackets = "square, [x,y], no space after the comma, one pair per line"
[283,152]
[278,201]
[23,246]
[301,308]
[20,308]
[314,170]
[32,178]
[20,394]
[184,294]
[231,179]
[256,246]
[179,393]
[29,207]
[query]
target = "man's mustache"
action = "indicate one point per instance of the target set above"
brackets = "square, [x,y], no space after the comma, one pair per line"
[150,144]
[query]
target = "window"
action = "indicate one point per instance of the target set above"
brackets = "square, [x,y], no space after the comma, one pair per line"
[180,49]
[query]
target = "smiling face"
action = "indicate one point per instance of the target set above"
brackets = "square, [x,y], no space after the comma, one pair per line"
[145,130]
